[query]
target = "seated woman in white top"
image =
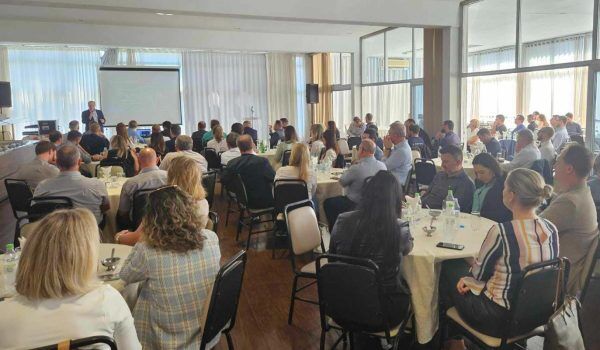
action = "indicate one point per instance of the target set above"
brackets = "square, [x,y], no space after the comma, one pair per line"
[218,143]
[184,174]
[316,140]
[299,168]
[59,295]
[330,152]
[472,130]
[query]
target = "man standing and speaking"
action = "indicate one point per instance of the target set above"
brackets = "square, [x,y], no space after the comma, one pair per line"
[92,115]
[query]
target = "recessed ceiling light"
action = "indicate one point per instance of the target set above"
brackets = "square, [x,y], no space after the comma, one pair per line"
[164,14]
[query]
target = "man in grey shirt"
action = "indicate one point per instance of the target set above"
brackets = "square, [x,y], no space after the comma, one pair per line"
[183,147]
[84,192]
[452,177]
[150,176]
[39,168]
[526,152]
[397,154]
[353,181]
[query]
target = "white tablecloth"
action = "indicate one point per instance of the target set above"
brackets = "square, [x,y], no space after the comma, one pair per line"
[421,268]
[270,155]
[114,194]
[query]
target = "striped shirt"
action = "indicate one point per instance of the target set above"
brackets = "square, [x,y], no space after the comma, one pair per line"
[508,248]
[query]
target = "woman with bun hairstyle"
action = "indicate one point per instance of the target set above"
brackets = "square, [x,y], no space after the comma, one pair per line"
[483,296]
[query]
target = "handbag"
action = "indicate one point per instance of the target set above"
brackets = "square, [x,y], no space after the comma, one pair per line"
[563,330]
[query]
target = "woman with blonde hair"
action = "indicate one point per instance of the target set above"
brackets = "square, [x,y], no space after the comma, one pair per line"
[316,140]
[542,121]
[59,294]
[472,130]
[176,262]
[218,143]
[119,149]
[482,289]
[299,168]
[185,174]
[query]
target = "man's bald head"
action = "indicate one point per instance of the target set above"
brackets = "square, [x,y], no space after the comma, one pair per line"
[245,143]
[147,158]
[366,148]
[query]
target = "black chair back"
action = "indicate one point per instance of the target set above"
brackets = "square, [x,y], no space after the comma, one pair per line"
[209,181]
[424,171]
[285,161]
[213,159]
[578,139]
[114,162]
[533,304]
[138,207]
[224,300]
[288,191]
[354,141]
[19,195]
[350,293]
[41,206]
[76,344]
[543,168]
[340,161]
[236,185]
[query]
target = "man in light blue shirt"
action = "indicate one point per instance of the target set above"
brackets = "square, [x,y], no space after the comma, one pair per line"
[353,181]
[526,152]
[519,120]
[397,153]
[561,135]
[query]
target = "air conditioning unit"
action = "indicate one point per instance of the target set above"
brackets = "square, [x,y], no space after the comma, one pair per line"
[398,63]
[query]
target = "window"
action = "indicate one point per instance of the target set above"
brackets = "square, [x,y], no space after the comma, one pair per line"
[399,52]
[417,104]
[489,35]
[418,53]
[372,52]
[487,96]
[341,70]
[342,109]
[388,103]
[301,94]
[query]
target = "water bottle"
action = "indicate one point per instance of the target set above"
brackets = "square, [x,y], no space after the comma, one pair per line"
[354,153]
[449,220]
[10,266]
[449,198]
[456,208]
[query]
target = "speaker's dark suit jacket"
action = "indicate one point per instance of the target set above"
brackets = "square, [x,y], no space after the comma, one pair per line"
[85,118]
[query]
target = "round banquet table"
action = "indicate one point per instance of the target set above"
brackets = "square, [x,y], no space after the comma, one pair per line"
[270,155]
[328,186]
[421,268]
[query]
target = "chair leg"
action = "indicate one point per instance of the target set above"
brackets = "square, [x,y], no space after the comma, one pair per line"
[250,225]
[351,336]
[229,341]
[228,212]
[322,343]
[239,227]
[292,299]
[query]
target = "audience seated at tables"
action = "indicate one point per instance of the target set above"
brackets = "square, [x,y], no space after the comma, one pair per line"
[249,131]
[573,212]
[59,294]
[150,176]
[73,139]
[472,130]
[94,141]
[74,125]
[447,136]
[519,125]
[157,143]
[356,128]
[375,231]
[415,142]
[121,130]
[422,133]
[371,134]
[316,140]
[489,182]
[233,150]
[197,136]
[237,128]
[481,289]
[176,261]
[84,192]
[55,137]
[526,152]
[134,137]
[289,139]
[498,126]
[183,147]
[332,128]
[532,125]
[186,176]
[299,168]
[573,128]
[397,153]
[594,181]
[492,146]
[353,181]
[166,130]
[275,133]
[256,173]
[331,150]
[370,123]
[546,148]
[175,132]
[209,134]
[218,142]
[561,135]
[452,177]
[39,168]
[119,149]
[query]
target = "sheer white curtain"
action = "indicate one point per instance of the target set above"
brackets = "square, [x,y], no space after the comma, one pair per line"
[50,83]
[230,87]
[282,87]
[387,103]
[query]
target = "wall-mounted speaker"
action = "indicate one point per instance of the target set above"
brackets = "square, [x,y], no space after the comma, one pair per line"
[312,93]
[5,99]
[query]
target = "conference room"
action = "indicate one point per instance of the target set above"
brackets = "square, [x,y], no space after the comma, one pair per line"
[299,174]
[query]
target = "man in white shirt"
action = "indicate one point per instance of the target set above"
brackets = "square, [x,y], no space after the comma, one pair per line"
[561,135]
[397,152]
[183,147]
[150,176]
[39,168]
[547,150]
[526,152]
[233,151]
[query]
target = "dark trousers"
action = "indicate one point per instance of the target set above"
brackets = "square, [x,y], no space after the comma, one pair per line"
[478,311]
[334,206]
